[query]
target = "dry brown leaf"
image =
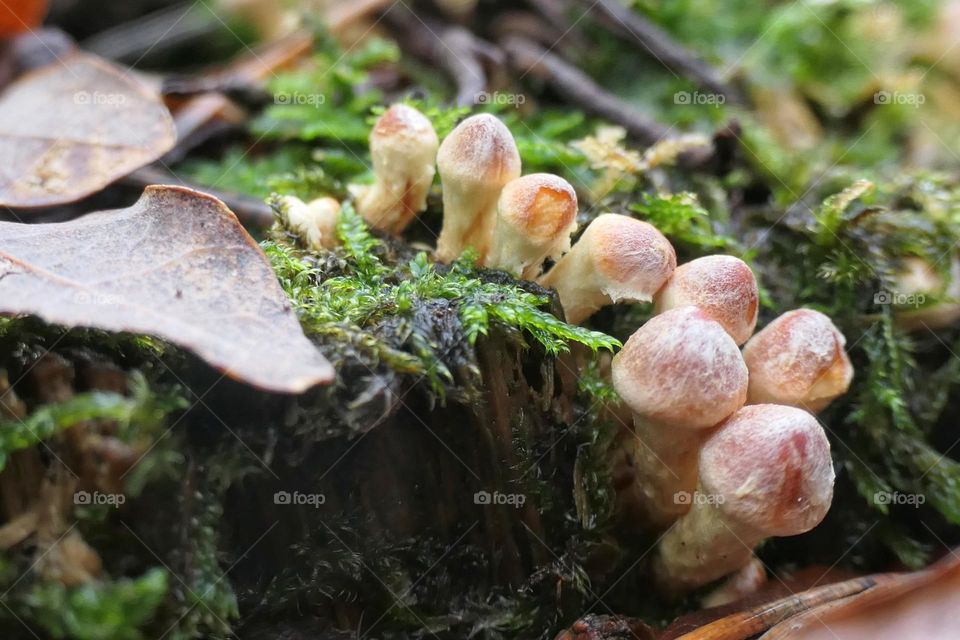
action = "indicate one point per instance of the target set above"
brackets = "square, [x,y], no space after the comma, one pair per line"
[177,265]
[71,128]
[911,606]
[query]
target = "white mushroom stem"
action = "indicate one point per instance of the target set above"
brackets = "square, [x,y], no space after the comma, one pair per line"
[535,216]
[315,222]
[798,360]
[764,472]
[475,161]
[723,286]
[680,374]
[617,258]
[403,148]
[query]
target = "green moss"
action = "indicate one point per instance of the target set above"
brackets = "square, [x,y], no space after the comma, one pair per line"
[681,217]
[360,298]
[115,610]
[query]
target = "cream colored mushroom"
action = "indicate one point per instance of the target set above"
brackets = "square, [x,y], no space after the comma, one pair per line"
[918,282]
[403,148]
[315,222]
[764,472]
[535,216]
[680,374]
[617,258]
[798,360]
[475,161]
[723,286]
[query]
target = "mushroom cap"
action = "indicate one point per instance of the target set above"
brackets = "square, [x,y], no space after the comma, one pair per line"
[771,464]
[480,151]
[403,143]
[399,123]
[541,206]
[681,369]
[632,257]
[723,286]
[799,360]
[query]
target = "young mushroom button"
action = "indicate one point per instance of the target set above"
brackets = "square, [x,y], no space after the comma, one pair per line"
[535,216]
[616,258]
[403,147]
[798,360]
[723,286]
[764,472]
[679,374]
[475,161]
[315,222]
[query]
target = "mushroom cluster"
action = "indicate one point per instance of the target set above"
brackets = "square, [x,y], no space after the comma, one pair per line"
[766,471]
[724,449]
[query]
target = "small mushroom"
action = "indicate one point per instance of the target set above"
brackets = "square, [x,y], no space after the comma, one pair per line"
[723,286]
[535,216]
[475,161]
[764,472]
[679,374]
[617,258]
[403,147]
[798,360]
[315,222]
[916,282]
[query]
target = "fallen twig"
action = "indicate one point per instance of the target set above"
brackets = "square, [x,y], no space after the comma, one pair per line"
[530,58]
[633,27]
[453,48]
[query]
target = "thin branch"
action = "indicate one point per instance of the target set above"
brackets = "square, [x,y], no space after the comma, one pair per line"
[532,59]
[658,43]
[454,49]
